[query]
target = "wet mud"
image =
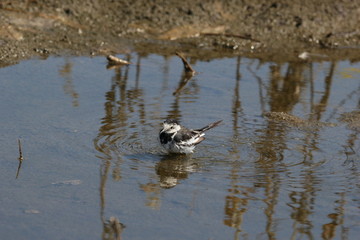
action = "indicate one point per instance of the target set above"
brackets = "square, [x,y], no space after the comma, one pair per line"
[280,30]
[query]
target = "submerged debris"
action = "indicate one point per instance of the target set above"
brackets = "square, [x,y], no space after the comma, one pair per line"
[31,211]
[67,182]
[352,119]
[292,120]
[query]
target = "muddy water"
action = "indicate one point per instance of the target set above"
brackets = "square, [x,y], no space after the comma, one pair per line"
[283,165]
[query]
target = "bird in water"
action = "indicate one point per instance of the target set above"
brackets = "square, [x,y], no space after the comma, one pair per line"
[176,138]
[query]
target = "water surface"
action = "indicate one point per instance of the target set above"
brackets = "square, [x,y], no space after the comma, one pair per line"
[283,165]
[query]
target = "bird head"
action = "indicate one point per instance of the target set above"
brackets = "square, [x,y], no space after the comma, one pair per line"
[171,126]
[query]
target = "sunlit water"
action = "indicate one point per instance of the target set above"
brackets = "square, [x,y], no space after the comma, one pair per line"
[93,167]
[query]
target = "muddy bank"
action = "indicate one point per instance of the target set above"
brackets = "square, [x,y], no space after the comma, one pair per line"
[273,30]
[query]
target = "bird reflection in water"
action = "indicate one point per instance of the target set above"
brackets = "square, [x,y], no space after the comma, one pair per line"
[173,168]
[170,170]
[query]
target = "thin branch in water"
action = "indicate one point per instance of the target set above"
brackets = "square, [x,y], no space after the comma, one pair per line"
[187,66]
[20,151]
[21,158]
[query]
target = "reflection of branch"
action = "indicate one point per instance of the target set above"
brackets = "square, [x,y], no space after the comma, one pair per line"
[189,72]
[20,159]
[321,106]
[185,78]
[262,100]
[349,149]
[342,102]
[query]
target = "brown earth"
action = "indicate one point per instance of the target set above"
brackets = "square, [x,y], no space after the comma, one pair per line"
[276,30]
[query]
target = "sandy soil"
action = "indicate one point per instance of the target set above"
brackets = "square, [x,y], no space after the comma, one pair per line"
[278,30]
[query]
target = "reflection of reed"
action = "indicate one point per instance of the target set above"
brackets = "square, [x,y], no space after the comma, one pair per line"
[280,94]
[305,200]
[237,200]
[119,106]
[104,143]
[283,93]
[153,194]
[69,88]
[260,83]
[302,204]
[318,109]
[236,104]
[336,219]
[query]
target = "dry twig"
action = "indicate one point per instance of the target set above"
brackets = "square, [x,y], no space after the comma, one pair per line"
[187,66]
[116,61]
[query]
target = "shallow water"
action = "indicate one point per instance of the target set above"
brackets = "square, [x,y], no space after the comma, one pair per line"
[93,167]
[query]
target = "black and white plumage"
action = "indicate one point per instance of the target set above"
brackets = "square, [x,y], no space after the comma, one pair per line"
[179,139]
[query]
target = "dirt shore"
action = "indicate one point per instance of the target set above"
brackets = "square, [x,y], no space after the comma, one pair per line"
[276,30]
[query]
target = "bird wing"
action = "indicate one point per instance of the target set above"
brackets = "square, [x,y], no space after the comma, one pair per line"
[184,135]
[189,137]
[198,140]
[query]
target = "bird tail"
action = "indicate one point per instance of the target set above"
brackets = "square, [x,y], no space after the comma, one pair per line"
[210,126]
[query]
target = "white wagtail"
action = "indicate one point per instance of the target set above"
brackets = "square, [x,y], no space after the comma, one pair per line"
[179,139]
